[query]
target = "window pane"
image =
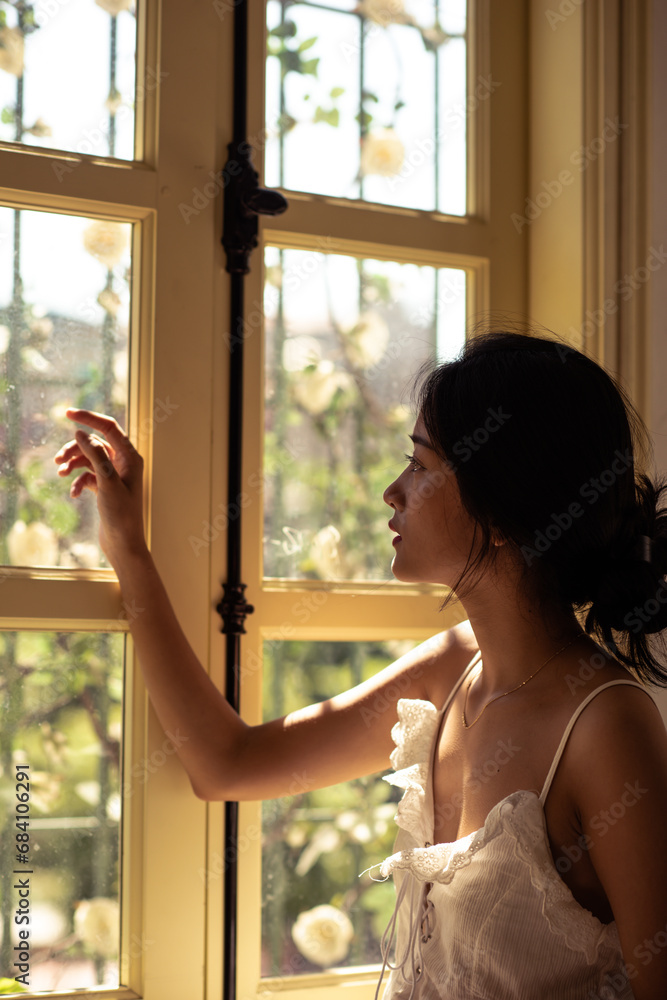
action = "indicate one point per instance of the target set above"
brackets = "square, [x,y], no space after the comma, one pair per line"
[64,314]
[67,76]
[344,340]
[61,807]
[316,844]
[369,101]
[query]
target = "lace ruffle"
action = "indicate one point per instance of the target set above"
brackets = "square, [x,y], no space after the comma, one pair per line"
[413,735]
[522,816]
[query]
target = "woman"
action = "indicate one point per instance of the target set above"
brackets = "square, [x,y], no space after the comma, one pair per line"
[530,859]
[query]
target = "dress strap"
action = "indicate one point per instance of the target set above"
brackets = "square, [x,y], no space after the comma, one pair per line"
[459,682]
[566,734]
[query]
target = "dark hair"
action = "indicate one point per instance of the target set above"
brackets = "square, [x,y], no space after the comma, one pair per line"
[544,443]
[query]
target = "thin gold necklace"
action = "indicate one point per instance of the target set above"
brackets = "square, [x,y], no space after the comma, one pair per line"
[467,725]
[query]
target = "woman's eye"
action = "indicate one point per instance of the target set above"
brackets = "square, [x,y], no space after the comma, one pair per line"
[413,463]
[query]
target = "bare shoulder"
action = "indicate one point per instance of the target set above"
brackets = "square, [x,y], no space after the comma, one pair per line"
[618,777]
[618,735]
[449,654]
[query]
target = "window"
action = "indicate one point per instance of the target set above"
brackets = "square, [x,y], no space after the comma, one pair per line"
[90,785]
[122,305]
[377,124]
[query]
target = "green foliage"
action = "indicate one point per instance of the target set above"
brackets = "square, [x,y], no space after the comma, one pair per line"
[318,843]
[8,113]
[330,116]
[11,986]
[286,30]
[66,692]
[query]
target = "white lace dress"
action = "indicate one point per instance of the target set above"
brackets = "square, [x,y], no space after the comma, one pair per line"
[487,916]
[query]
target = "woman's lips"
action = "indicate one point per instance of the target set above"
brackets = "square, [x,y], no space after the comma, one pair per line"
[398,537]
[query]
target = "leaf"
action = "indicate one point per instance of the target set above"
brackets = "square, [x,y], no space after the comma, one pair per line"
[8,115]
[309,42]
[336,92]
[286,123]
[331,117]
[310,66]
[364,119]
[368,95]
[399,105]
[286,30]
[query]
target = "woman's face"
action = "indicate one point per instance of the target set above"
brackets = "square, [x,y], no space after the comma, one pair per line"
[434,532]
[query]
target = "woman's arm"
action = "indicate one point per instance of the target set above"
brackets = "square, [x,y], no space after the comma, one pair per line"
[620,793]
[341,738]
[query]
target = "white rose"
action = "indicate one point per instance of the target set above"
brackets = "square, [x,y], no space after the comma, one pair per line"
[32,544]
[323,935]
[11,51]
[114,7]
[367,341]
[106,241]
[384,12]
[316,387]
[97,924]
[382,153]
[299,352]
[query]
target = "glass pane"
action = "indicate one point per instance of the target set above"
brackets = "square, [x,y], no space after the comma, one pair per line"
[67,76]
[344,340]
[369,101]
[316,911]
[64,315]
[60,809]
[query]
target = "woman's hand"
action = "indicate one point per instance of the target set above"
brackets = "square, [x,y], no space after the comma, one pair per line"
[114,471]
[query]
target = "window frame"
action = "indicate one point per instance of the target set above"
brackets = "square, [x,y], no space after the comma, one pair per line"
[164,839]
[496,280]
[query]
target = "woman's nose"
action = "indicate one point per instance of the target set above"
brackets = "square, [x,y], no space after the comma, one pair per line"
[391,495]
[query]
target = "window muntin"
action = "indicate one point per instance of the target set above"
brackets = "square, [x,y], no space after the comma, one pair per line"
[344,339]
[64,341]
[369,101]
[67,76]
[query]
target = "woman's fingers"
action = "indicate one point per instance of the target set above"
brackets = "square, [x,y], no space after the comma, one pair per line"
[96,455]
[86,481]
[116,437]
